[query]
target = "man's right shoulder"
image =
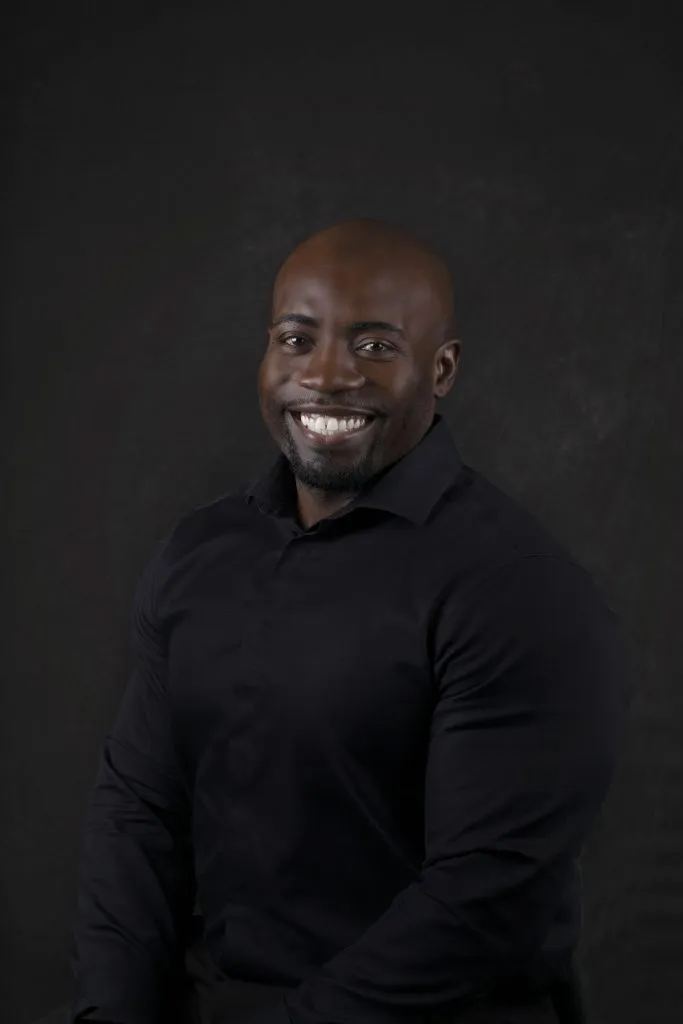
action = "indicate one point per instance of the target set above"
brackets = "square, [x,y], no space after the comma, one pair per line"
[228,514]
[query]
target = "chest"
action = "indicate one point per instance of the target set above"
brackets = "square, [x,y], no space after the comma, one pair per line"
[324,643]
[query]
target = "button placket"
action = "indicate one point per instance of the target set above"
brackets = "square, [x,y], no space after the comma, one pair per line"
[251,744]
[252,713]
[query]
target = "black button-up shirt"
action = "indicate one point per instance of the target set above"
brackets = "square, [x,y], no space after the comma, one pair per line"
[370,750]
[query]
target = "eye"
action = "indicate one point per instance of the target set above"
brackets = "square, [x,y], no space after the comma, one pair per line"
[292,340]
[382,347]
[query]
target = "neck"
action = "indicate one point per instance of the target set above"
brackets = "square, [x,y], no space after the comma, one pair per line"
[314,504]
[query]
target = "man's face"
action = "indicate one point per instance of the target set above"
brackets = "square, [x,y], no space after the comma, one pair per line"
[347,383]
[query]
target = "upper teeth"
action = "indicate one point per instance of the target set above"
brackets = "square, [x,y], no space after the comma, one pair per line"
[330,424]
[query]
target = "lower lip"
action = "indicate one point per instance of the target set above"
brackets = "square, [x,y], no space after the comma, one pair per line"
[330,440]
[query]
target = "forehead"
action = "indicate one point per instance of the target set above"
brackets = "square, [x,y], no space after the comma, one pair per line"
[348,292]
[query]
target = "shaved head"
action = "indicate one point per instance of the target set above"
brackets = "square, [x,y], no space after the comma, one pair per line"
[365,241]
[361,345]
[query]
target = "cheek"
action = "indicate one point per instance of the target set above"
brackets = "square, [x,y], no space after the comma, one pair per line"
[406,383]
[269,377]
[413,397]
[397,379]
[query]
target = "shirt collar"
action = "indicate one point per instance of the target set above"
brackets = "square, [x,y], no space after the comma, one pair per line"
[409,487]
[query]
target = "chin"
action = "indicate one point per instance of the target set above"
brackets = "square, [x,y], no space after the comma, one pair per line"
[322,473]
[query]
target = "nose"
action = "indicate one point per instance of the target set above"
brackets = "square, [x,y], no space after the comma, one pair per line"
[330,367]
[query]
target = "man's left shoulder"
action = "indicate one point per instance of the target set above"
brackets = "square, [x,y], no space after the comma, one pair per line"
[490,528]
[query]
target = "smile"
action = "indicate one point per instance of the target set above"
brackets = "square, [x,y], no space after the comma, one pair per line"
[331,429]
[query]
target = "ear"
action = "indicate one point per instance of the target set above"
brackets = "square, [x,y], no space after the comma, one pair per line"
[446,367]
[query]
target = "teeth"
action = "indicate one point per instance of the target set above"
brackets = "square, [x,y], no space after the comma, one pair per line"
[331,424]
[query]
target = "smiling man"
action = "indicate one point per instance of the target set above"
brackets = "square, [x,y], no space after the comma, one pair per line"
[374,709]
[361,345]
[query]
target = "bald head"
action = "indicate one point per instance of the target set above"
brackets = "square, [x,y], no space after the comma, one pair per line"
[380,251]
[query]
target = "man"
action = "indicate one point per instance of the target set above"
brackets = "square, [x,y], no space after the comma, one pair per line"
[374,708]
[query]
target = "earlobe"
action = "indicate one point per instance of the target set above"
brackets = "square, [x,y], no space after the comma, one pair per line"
[446,369]
[440,382]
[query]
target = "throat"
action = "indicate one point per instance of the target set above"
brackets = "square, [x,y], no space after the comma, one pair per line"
[314,504]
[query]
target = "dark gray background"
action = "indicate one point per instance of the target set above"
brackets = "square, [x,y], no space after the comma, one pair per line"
[159,167]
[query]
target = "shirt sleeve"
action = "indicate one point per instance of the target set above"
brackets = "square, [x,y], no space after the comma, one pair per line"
[136,887]
[529,673]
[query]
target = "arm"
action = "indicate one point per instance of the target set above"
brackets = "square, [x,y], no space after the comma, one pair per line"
[522,745]
[136,887]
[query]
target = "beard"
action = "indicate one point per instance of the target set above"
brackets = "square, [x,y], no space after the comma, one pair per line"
[320,471]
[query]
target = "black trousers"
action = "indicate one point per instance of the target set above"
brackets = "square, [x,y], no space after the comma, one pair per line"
[215,999]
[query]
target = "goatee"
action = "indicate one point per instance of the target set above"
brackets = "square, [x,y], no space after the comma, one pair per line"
[320,473]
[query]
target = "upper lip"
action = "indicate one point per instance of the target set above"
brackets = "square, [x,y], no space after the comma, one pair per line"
[330,410]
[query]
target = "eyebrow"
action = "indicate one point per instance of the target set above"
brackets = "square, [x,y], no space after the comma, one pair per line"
[359,325]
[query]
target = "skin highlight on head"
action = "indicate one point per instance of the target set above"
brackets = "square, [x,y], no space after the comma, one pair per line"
[362,336]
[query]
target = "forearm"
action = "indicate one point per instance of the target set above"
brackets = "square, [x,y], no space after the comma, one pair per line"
[135,895]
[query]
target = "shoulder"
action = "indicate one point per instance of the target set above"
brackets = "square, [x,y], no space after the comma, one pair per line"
[224,515]
[492,530]
[501,569]
[525,606]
